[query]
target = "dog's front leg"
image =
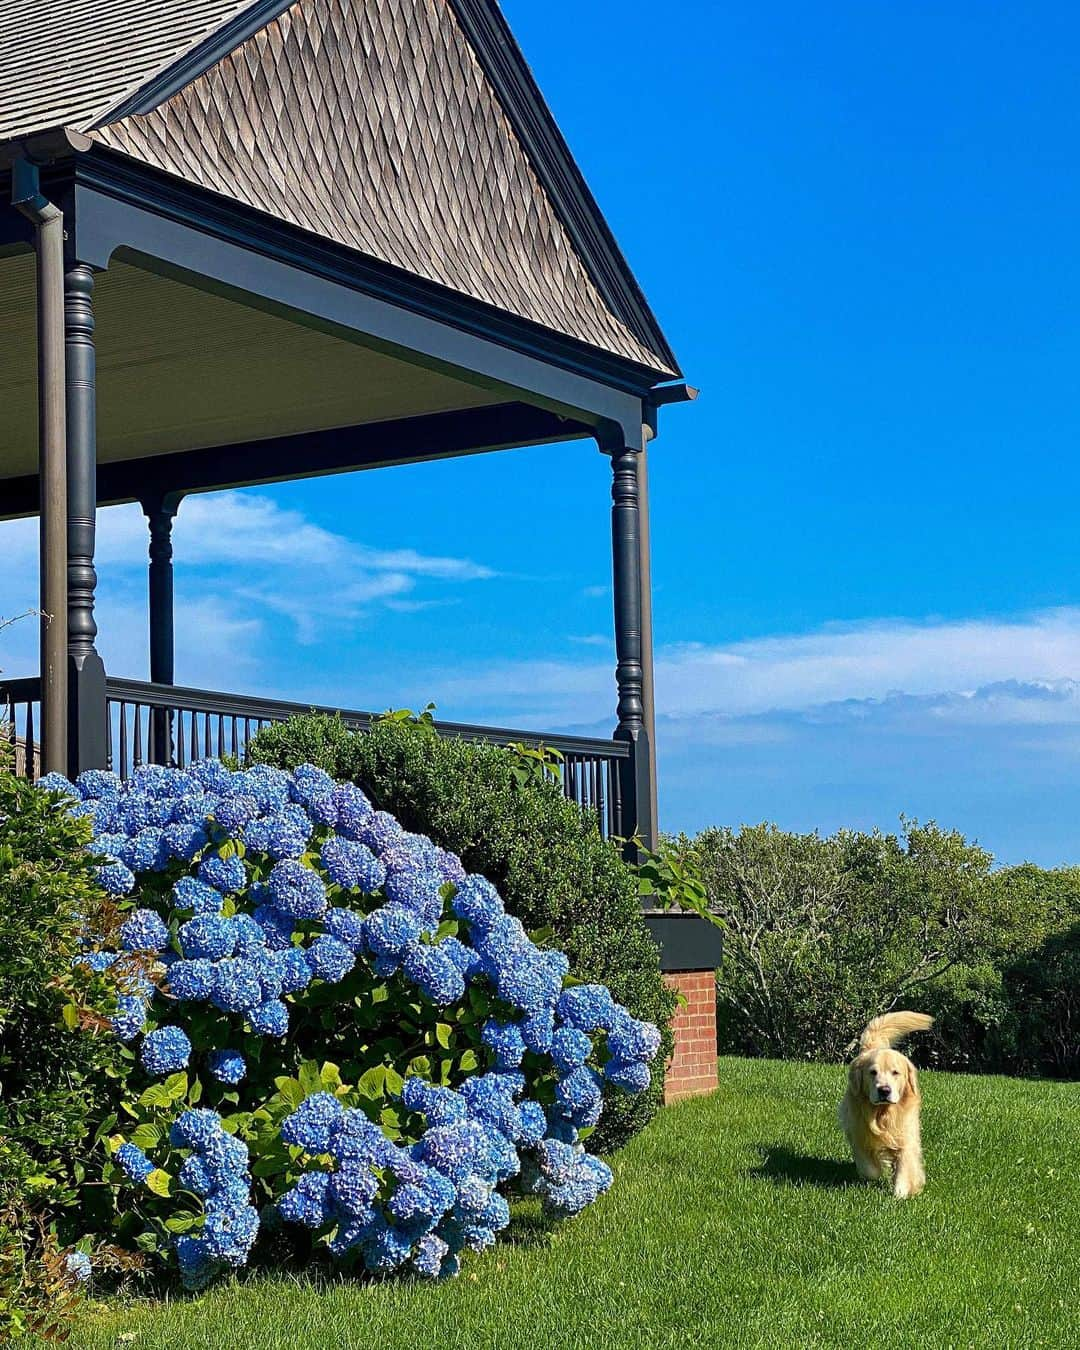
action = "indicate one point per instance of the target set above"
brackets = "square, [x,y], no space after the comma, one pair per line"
[867,1165]
[908,1175]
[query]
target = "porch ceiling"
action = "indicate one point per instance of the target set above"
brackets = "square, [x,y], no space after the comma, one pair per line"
[182,369]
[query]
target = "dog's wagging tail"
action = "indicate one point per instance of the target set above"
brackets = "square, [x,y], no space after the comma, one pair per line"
[885,1031]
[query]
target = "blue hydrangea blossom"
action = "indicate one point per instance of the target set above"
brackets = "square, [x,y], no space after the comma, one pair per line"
[344,893]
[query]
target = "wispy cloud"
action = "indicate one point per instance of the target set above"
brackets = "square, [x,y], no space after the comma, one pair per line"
[840,663]
[248,528]
[263,558]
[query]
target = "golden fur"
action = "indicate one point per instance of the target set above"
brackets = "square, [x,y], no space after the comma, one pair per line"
[880,1110]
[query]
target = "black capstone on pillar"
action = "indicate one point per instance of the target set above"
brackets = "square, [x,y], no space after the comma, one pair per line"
[87,728]
[160,511]
[637,787]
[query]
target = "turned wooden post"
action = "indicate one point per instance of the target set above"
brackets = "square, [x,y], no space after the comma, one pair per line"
[630,598]
[87,714]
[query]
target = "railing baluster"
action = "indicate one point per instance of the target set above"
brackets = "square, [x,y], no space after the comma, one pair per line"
[28,742]
[180,729]
[615,792]
[12,734]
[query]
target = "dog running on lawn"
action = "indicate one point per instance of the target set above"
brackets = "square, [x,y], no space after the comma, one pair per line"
[880,1110]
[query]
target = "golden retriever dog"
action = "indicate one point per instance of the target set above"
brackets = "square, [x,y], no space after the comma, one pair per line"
[880,1110]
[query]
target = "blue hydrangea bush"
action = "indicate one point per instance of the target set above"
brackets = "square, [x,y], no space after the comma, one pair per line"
[332,1028]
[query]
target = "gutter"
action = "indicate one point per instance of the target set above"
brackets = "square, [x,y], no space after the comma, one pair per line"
[48,222]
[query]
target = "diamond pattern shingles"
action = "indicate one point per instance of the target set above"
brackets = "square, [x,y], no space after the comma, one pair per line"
[371,123]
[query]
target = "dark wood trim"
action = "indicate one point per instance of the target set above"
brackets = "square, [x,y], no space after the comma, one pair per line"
[86,738]
[138,186]
[506,68]
[639,786]
[312,454]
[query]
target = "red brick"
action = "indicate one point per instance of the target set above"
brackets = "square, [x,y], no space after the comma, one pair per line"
[692,1069]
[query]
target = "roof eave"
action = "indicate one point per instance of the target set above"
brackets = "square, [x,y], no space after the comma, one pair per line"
[130,180]
[44,147]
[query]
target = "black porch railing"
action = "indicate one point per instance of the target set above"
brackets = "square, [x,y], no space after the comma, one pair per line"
[20,723]
[166,724]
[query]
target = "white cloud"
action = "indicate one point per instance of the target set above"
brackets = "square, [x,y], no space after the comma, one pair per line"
[1017,669]
[231,527]
[265,557]
[869,661]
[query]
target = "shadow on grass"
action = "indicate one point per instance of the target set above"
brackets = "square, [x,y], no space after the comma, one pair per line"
[783,1167]
[528,1226]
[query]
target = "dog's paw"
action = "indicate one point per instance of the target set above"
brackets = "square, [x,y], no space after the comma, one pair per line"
[904,1187]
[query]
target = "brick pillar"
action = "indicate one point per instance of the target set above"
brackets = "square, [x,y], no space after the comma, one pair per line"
[692,1070]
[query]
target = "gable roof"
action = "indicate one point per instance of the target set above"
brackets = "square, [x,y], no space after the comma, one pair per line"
[411,130]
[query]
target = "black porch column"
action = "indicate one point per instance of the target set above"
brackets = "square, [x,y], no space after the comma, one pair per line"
[638,788]
[160,510]
[87,731]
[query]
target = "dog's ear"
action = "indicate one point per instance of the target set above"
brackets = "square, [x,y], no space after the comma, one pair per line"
[912,1080]
[854,1077]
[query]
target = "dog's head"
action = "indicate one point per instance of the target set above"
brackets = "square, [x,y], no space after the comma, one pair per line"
[883,1076]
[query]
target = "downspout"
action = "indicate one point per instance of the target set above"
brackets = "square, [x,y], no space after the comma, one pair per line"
[48,222]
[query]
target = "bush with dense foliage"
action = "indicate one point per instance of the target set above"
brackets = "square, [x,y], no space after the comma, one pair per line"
[55,1069]
[500,811]
[824,933]
[339,1030]
[1018,1010]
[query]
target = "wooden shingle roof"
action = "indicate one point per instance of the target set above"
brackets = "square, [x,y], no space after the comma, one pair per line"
[376,124]
[66,62]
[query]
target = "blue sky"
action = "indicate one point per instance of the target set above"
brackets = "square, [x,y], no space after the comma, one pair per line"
[859,228]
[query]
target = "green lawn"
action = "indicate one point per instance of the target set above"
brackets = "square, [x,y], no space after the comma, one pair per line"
[734,1221]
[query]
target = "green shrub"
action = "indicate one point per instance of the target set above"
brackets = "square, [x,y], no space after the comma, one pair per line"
[824,933]
[516,828]
[54,1076]
[1018,1011]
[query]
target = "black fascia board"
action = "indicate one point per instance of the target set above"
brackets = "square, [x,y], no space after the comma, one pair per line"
[150,189]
